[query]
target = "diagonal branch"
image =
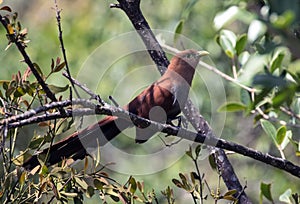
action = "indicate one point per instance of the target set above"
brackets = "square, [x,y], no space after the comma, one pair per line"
[135,15]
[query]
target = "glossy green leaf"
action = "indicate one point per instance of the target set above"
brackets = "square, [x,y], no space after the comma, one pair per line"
[265,190]
[232,107]
[241,44]
[269,129]
[178,30]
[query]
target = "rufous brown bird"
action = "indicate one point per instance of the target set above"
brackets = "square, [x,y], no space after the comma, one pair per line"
[162,102]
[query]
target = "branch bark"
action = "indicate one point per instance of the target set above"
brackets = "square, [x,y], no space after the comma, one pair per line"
[135,15]
[89,108]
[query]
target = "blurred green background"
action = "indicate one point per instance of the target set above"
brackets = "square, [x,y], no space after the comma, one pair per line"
[89,24]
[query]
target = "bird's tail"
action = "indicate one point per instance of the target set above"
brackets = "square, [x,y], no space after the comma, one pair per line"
[75,145]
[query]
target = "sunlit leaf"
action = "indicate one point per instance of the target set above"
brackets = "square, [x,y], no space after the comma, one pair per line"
[255,30]
[22,178]
[286,140]
[285,197]
[227,41]
[21,158]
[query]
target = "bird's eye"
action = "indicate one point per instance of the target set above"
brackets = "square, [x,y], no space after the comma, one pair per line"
[189,55]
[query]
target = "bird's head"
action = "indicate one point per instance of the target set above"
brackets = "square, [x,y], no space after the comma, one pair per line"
[191,56]
[185,62]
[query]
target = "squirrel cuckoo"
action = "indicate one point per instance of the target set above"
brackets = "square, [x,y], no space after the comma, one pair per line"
[162,102]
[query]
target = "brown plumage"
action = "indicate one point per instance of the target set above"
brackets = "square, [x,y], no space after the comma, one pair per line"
[162,101]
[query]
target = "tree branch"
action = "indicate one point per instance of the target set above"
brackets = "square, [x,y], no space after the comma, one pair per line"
[135,15]
[90,108]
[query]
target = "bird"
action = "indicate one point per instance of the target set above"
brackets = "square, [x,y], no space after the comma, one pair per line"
[162,102]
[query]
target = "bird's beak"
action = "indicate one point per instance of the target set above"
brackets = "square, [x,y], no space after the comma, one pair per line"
[203,53]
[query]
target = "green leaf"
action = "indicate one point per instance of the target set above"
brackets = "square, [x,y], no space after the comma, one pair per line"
[277,61]
[245,97]
[269,129]
[265,190]
[286,140]
[212,162]
[227,41]
[58,89]
[90,191]
[284,96]
[178,30]
[232,107]
[280,135]
[230,15]
[241,44]
[283,21]
[133,185]
[285,197]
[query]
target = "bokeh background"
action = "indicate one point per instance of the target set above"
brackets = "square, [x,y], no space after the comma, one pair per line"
[88,24]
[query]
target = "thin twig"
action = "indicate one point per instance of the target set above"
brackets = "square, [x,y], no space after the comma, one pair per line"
[84,88]
[62,46]
[170,130]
